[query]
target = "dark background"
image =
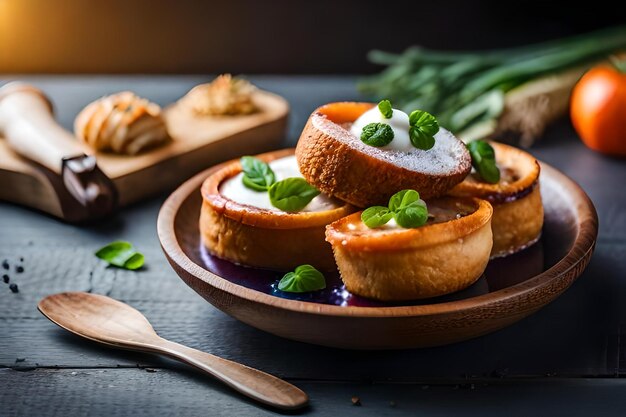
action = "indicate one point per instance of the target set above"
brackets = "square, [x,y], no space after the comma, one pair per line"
[275,36]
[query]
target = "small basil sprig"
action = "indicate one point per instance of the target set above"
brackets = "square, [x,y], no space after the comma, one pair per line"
[404,206]
[484,160]
[121,254]
[305,278]
[377,134]
[292,194]
[257,175]
[422,129]
[376,216]
[385,109]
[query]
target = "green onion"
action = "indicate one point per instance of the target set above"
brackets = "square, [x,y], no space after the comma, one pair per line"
[465,89]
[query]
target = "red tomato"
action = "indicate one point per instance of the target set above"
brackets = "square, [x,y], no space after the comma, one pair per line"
[598,110]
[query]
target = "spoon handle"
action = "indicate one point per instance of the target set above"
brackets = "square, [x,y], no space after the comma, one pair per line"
[256,384]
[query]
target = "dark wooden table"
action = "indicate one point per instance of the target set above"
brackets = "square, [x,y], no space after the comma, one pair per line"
[565,360]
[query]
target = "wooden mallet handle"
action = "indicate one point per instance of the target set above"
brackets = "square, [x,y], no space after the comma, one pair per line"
[27,123]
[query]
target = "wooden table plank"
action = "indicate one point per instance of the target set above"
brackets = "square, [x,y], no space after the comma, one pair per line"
[137,392]
[577,335]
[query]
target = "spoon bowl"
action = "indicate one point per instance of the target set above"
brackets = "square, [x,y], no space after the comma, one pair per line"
[98,318]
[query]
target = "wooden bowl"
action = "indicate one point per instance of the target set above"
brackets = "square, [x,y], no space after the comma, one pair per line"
[511,289]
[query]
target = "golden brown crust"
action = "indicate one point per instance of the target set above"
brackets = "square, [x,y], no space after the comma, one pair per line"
[517,224]
[340,233]
[408,264]
[345,172]
[258,217]
[264,238]
[517,207]
[524,165]
[281,249]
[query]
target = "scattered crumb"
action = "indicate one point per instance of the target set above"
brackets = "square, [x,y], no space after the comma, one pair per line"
[356,401]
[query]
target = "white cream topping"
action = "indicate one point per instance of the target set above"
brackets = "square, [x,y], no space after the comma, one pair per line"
[399,123]
[440,159]
[391,225]
[286,167]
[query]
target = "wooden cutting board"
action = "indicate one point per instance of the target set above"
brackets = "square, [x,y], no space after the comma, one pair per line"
[198,142]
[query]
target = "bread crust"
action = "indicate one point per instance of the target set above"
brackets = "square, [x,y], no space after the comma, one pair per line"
[410,264]
[517,208]
[262,238]
[342,171]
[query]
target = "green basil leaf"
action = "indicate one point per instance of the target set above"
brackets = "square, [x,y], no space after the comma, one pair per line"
[484,160]
[121,254]
[408,209]
[403,199]
[376,216]
[420,139]
[257,175]
[377,134]
[412,216]
[385,109]
[305,278]
[292,194]
[423,128]
[134,262]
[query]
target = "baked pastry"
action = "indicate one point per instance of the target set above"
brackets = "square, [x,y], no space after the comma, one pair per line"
[224,96]
[335,160]
[242,226]
[121,123]
[516,199]
[390,263]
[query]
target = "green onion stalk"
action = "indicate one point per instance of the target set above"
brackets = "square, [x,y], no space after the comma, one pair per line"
[468,89]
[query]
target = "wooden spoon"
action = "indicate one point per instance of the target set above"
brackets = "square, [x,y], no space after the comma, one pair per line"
[105,320]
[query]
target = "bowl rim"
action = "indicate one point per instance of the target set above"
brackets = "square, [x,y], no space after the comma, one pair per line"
[586,234]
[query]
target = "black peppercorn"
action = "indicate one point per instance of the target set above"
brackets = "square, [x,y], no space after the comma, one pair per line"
[19,269]
[5,264]
[5,278]
[13,288]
